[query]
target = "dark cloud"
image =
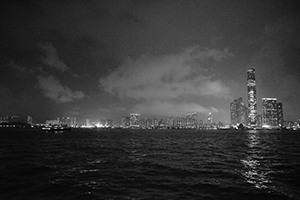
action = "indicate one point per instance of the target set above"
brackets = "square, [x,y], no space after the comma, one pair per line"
[54,90]
[51,59]
[21,69]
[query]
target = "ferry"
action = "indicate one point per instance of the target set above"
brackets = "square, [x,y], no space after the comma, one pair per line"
[55,128]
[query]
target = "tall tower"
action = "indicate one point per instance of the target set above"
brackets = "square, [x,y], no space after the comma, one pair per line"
[252,101]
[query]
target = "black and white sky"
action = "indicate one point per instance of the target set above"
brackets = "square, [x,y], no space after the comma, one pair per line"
[105,59]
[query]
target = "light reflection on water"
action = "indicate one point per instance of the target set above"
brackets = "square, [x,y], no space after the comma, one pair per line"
[253,171]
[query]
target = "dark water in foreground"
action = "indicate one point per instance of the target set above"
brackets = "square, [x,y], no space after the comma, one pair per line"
[150,164]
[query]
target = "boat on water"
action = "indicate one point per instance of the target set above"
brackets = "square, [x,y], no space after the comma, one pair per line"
[56,128]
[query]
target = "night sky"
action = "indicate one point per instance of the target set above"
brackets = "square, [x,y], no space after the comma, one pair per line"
[106,59]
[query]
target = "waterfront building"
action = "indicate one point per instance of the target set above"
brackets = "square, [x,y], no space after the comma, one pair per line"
[29,120]
[143,123]
[123,122]
[192,120]
[195,120]
[66,121]
[148,123]
[280,114]
[238,112]
[178,122]
[170,123]
[52,122]
[127,121]
[259,121]
[269,115]
[200,124]
[242,113]
[181,122]
[134,120]
[73,122]
[233,112]
[252,100]
[189,120]
[155,123]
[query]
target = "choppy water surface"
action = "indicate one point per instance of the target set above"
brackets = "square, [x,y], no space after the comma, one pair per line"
[150,164]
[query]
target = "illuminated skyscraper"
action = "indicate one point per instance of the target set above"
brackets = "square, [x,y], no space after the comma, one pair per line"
[233,112]
[238,112]
[252,101]
[192,120]
[242,113]
[195,119]
[189,120]
[181,122]
[134,120]
[125,122]
[269,115]
[280,114]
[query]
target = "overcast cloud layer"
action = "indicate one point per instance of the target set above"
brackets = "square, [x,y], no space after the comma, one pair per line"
[160,81]
[167,77]
[105,59]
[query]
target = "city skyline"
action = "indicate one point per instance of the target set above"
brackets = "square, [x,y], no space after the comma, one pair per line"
[107,59]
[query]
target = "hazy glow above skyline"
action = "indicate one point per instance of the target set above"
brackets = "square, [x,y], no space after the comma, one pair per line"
[106,59]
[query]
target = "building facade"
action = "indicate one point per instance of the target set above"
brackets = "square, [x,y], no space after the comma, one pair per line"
[252,100]
[238,112]
[242,113]
[123,122]
[134,120]
[233,113]
[269,113]
[259,121]
[192,120]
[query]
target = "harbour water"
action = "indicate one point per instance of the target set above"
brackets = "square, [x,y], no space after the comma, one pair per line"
[150,164]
